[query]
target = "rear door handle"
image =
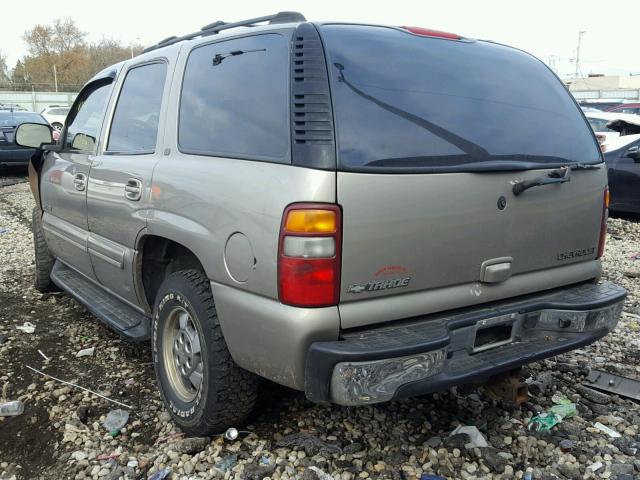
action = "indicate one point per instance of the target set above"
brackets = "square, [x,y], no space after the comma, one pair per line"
[133,189]
[80,181]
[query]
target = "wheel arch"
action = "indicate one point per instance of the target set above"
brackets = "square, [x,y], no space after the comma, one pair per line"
[158,256]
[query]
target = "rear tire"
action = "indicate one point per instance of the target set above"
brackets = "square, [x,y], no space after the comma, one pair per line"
[202,387]
[44,260]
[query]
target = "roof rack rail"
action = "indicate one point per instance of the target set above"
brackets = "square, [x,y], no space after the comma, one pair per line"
[215,27]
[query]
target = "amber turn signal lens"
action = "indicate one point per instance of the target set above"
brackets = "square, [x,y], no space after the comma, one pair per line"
[310,221]
[607,197]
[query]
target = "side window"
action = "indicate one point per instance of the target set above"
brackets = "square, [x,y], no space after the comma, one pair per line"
[235,99]
[85,120]
[134,128]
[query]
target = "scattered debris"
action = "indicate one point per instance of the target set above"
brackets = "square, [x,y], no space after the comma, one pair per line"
[11,409]
[310,443]
[169,437]
[426,476]
[161,474]
[79,455]
[86,352]
[4,230]
[594,467]
[567,445]
[26,327]
[231,434]
[476,439]
[263,468]
[608,382]
[226,464]
[603,428]
[544,422]
[321,474]
[46,359]
[78,386]
[116,419]
[191,446]
[3,339]
[106,457]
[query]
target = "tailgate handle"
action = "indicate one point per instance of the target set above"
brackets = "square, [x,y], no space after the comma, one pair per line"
[496,270]
[556,176]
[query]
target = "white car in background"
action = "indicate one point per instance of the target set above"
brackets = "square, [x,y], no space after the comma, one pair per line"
[56,116]
[610,125]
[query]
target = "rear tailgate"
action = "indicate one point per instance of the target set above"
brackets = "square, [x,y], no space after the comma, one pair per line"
[432,136]
[423,233]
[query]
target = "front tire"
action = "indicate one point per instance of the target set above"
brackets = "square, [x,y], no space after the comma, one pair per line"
[44,260]
[203,388]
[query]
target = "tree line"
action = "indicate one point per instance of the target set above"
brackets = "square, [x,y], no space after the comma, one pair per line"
[60,53]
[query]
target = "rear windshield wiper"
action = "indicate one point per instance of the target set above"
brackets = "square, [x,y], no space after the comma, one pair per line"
[560,175]
[219,57]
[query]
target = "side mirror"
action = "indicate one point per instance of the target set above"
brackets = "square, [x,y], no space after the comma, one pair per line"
[633,152]
[83,142]
[33,135]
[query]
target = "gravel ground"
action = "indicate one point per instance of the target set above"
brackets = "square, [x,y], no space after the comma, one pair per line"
[60,434]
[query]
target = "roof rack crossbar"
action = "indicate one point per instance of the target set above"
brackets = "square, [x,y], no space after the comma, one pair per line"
[215,27]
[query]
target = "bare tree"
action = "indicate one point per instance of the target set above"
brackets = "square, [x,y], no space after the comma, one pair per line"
[4,68]
[61,50]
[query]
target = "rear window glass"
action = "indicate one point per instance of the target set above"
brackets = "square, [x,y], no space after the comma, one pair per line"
[405,101]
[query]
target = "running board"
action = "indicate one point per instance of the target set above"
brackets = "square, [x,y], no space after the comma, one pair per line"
[113,312]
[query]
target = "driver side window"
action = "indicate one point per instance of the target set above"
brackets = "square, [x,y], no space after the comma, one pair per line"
[85,120]
[134,128]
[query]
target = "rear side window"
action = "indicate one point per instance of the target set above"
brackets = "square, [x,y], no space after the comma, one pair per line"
[406,101]
[134,128]
[234,100]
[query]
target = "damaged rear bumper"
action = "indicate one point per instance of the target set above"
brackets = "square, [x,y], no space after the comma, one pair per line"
[432,353]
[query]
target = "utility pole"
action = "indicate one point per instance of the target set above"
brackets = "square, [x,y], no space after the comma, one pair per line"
[575,77]
[55,76]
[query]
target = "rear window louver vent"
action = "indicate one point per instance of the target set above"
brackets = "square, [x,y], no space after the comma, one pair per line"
[312,132]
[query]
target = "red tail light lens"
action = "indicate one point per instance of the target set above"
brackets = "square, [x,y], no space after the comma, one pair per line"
[428,32]
[603,224]
[309,255]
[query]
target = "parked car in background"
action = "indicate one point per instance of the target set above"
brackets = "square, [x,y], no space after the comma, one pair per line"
[633,108]
[623,164]
[10,153]
[12,106]
[56,116]
[590,109]
[608,125]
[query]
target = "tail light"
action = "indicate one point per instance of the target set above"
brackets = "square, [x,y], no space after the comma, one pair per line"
[603,224]
[309,255]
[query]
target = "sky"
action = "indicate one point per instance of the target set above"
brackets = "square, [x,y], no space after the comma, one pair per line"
[547,29]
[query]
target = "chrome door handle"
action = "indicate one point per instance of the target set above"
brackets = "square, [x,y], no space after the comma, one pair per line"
[80,181]
[133,189]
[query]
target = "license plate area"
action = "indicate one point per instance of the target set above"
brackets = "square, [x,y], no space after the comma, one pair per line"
[493,333]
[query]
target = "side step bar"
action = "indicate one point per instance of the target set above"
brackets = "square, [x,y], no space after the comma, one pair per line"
[129,323]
